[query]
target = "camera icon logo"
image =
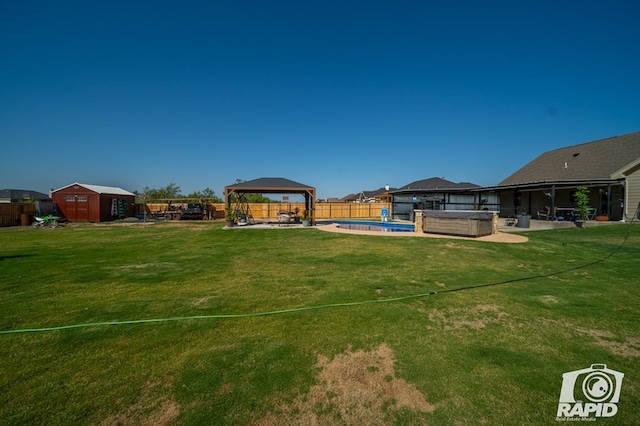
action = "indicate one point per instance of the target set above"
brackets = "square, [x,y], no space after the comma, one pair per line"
[593,391]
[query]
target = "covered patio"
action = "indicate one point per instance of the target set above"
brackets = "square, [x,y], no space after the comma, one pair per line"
[268,185]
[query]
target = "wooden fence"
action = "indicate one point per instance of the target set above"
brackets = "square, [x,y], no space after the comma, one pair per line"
[270,211]
[22,214]
[17,214]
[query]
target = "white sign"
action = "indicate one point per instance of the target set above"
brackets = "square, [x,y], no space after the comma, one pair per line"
[590,392]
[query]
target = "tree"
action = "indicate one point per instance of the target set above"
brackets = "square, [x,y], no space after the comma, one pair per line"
[172,191]
[206,194]
[168,192]
[582,202]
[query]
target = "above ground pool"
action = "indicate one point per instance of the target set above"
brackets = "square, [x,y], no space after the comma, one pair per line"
[376,226]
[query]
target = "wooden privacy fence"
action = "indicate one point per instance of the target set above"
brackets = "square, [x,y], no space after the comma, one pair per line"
[350,210]
[17,214]
[271,211]
[22,214]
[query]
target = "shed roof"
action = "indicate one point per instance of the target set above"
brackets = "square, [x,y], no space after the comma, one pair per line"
[100,189]
[588,161]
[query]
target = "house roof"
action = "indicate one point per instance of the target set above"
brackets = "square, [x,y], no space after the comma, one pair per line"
[378,192]
[112,190]
[364,195]
[436,184]
[270,185]
[598,160]
[22,194]
[349,197]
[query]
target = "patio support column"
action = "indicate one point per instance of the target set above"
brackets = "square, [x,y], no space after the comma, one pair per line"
[553,202]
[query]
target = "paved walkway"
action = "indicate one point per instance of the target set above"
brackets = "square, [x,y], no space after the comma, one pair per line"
[540,225]
[500,237]
[506,234]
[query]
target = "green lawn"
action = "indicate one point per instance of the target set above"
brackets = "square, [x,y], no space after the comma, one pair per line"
[567,299]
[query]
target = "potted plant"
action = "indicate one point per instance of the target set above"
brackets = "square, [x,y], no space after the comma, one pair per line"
[582,205]
[230,217]
[306,218]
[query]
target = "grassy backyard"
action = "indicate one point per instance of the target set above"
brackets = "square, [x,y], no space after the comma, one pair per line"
[487,355]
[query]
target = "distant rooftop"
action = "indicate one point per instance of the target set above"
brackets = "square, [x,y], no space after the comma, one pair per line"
[12,195]
[436,183]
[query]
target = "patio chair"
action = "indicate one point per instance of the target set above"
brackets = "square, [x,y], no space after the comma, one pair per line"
[544,213]
[284,218]
[243,218]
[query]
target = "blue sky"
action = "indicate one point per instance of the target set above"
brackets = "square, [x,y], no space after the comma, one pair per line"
[341,95]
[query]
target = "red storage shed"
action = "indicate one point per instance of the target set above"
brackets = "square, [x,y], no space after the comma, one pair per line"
[80,202]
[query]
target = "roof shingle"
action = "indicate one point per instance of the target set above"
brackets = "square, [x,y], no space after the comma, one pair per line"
[592,160]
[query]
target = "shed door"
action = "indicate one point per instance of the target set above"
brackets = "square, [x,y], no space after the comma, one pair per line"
[82,208]
[76,208]
[69,207]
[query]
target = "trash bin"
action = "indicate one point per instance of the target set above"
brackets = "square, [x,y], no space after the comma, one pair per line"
[524,221]
[26,219]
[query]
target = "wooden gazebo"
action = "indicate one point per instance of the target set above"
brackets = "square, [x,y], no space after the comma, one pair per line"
[273,186]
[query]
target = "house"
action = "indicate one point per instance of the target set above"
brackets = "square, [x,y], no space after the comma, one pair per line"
[609,168]
[377,195]
[81,202]
[439,194]
[8,196]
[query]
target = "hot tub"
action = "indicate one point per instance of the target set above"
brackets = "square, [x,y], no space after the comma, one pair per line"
[457,222]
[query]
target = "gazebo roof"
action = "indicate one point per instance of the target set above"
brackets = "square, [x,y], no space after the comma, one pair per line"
[270,185]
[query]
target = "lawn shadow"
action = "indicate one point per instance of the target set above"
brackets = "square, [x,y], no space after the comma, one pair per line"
[15,256]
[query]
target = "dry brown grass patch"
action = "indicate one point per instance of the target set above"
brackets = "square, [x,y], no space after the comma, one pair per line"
[148,411]
[629,347]
[200,301]
[353,388]
[465,318]
[548,299]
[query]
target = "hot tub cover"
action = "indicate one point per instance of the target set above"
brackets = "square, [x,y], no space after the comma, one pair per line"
[458,214]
